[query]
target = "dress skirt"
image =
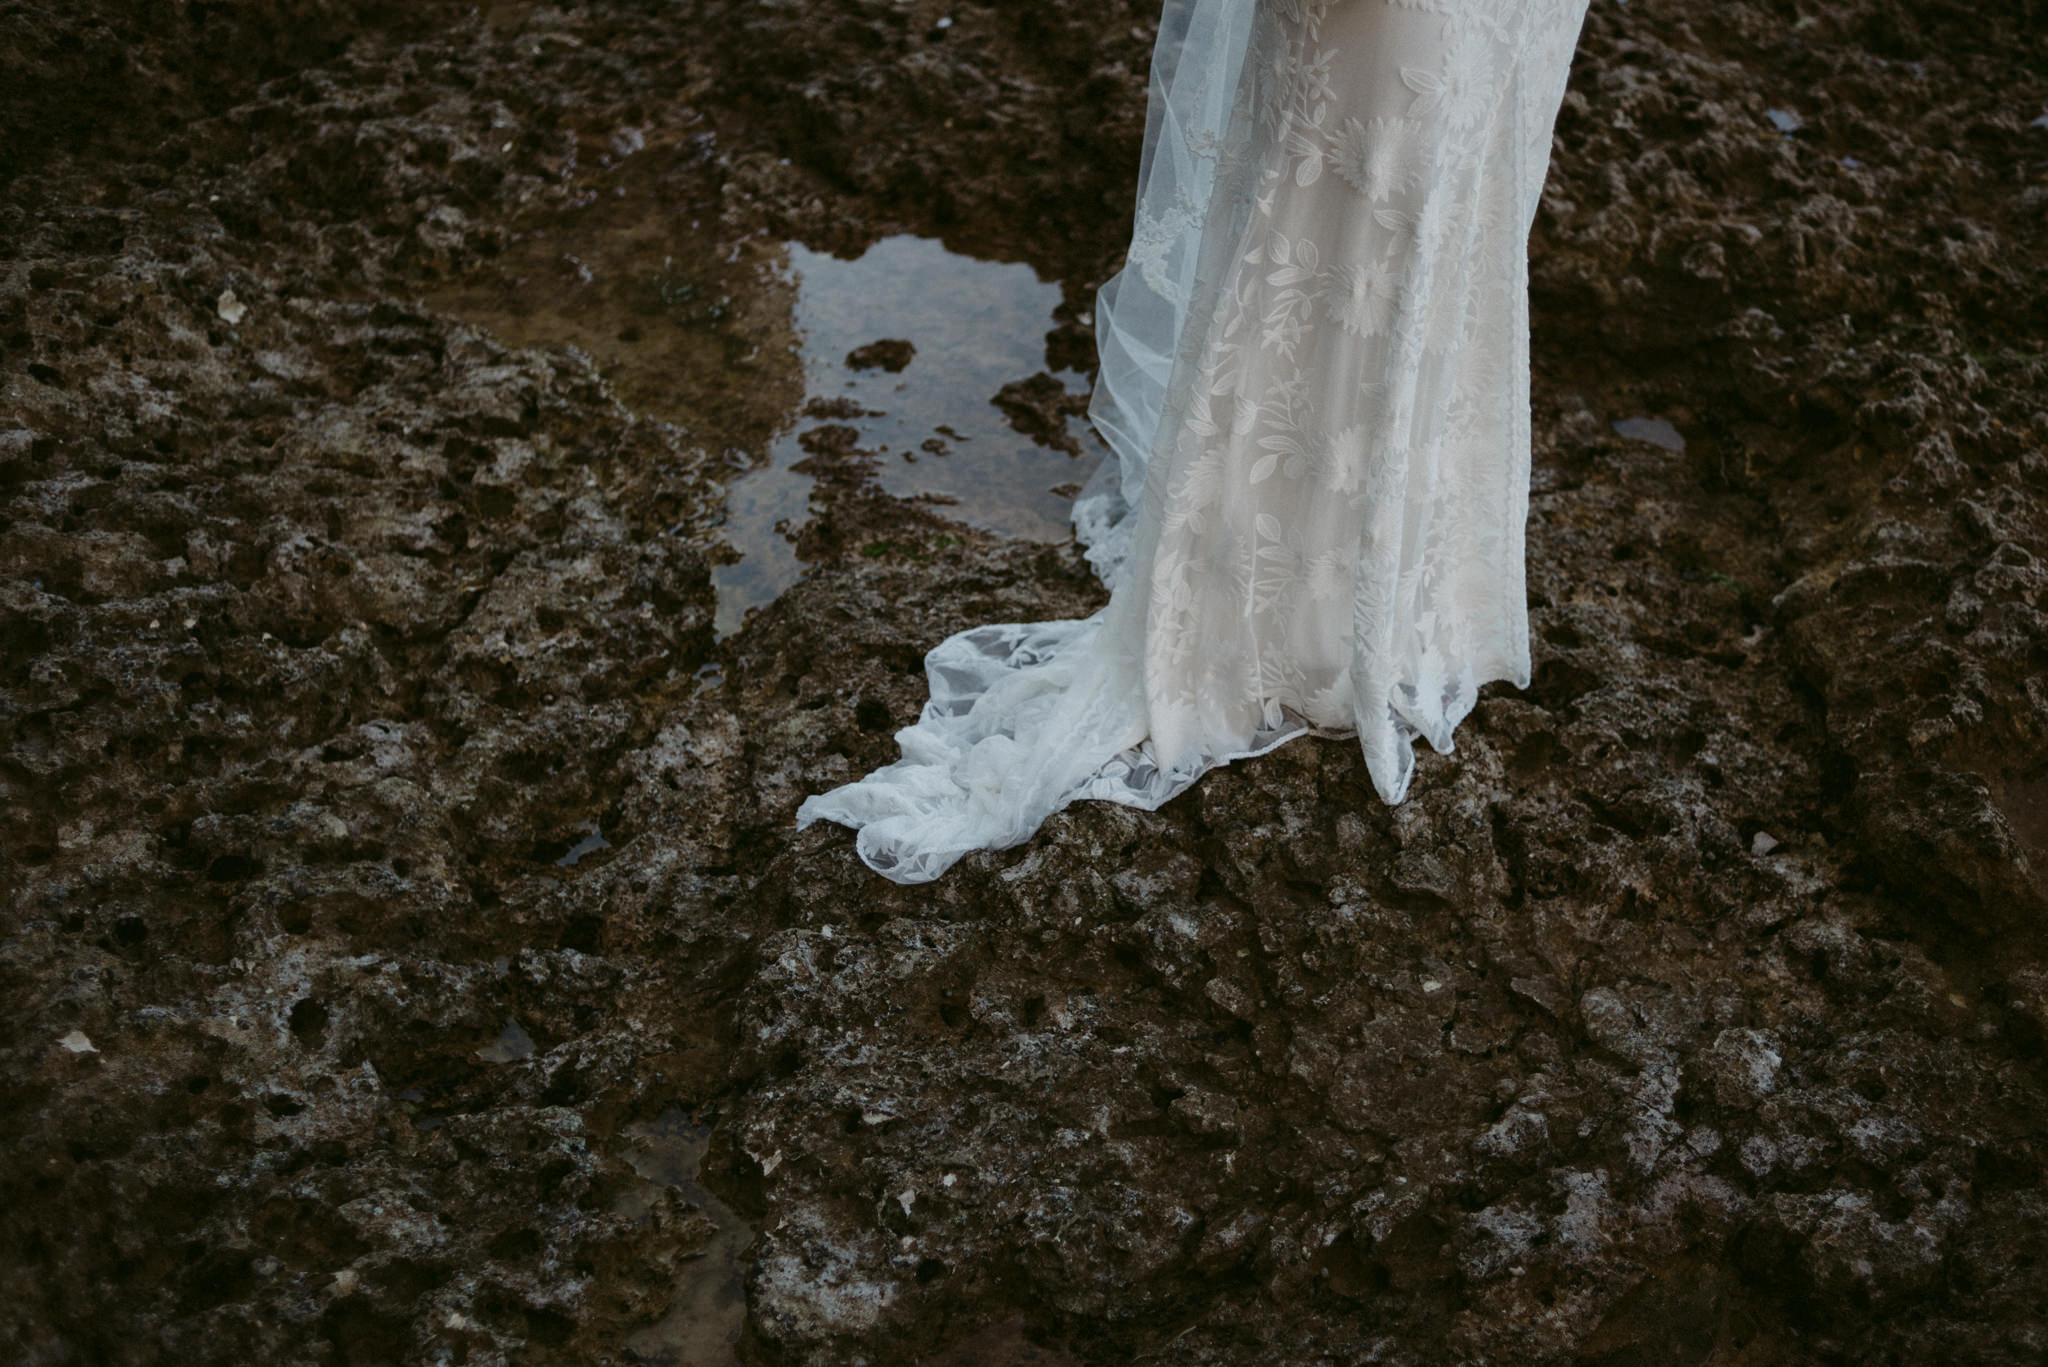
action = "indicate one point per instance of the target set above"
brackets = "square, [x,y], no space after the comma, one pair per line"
[1315,385]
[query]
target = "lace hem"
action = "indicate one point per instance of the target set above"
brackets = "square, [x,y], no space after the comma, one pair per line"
[1026,719]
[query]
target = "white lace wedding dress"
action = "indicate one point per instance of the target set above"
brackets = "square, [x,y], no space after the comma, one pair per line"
[1315,381]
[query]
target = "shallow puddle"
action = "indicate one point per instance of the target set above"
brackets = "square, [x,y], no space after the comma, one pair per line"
[1656,431]
[702,1325]
[512,1045]
[739,342]
[973,328]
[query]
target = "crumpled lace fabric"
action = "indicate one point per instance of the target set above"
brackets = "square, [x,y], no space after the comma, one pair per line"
[1315,383]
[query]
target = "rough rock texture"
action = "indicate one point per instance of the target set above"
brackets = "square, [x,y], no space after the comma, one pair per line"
[384,830]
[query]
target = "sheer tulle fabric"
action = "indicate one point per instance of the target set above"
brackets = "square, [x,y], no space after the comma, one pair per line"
[1315,384]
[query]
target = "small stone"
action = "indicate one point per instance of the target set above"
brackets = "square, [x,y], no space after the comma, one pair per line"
[77,1043]
[1207,1113]
[890,353]
[1742,1067]
[1763,843]
[1231,997]
[345,1282]
[231,309]
[1759,1155]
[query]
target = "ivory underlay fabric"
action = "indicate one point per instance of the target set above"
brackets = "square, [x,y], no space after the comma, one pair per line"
[1315,386]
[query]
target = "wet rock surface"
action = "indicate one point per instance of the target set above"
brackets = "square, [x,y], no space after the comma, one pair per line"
[394,851]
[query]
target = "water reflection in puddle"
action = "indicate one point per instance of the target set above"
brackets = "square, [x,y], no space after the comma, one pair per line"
[702,1324]
[735,343]
[974,326]
[511,1046]
[1656,431]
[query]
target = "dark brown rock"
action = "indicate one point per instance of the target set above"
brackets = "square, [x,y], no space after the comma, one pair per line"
[385,833]
[892,354]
